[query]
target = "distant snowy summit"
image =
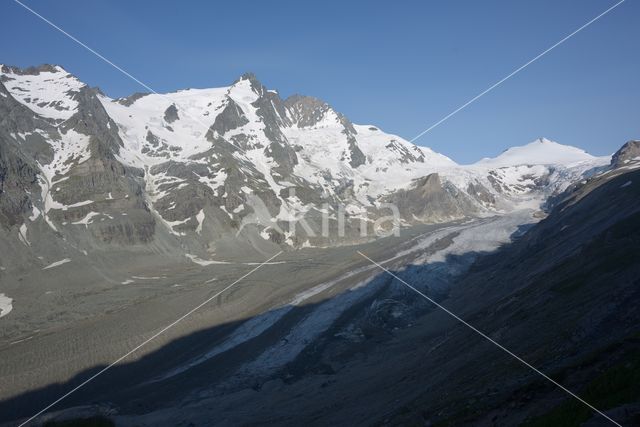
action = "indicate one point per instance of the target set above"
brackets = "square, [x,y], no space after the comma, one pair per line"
[542,152]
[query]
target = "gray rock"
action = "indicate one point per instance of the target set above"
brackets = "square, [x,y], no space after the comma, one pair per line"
[628,153]
[129,100]
[171,114]
[231,117]
[431,200]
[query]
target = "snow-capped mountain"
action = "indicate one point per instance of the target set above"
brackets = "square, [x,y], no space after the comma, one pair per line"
[203,169]
[541,151]
[538,170]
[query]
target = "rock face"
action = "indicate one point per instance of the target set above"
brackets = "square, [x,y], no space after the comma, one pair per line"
[429,200]
[18,170]
[627,155]
[202,170]
[566,291]
[58,166]
[231,117]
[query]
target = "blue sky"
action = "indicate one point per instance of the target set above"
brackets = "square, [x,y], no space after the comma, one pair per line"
[401,66]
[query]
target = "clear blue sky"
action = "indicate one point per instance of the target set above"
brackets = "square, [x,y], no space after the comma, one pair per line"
[401,66]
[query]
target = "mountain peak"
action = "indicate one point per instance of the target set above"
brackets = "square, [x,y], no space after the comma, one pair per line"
[33,70]
[307,101]
[308,111]
[251,77]
[629,152]
[48,90]
[540,151]
[252,81]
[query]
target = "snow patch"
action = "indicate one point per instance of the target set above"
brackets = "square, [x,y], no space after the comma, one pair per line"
[48,93]
[57,263]
[35,213]
[22,235]
[5,305]
[200,219]
[88,219]
[203,262]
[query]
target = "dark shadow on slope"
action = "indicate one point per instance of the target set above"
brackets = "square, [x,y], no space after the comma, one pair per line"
[377,315]
[530,286]
[380,307]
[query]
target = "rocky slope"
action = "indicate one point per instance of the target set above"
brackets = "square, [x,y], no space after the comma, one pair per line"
[363,349]
[563,296]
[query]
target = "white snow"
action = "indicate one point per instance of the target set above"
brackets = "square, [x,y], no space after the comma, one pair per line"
[35,213]
[392,162]
[22,235]
[5,305]
[69,150]
[200,218]
[147,115]
[48,94]
[76,205]
[57,263]
[216,182]
[171,224]
[541,152]
[88,219]
[203,262]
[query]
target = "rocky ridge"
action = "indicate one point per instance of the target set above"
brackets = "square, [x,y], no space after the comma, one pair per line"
[224,170]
